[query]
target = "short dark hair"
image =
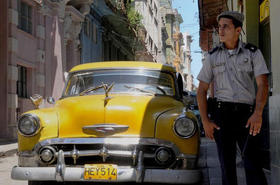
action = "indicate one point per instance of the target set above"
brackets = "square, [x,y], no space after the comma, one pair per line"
[235,22]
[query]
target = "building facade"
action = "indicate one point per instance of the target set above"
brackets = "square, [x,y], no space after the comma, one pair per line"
[39,42]
[91,35]
[186,62]
[171,28]
[151,21]
[105,35]
[168,17]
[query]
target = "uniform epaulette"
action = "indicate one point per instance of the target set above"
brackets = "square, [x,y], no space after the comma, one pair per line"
[251,47]
[213,50]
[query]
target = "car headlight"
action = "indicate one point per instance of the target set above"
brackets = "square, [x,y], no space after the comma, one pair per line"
[184,127]
[28,125]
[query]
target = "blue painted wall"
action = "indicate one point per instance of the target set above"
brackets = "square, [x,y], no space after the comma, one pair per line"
[91,51]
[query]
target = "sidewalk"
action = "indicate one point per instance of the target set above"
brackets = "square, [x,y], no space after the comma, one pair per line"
[8,147]
[209,163]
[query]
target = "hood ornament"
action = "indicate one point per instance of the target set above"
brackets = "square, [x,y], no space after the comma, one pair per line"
[107,89]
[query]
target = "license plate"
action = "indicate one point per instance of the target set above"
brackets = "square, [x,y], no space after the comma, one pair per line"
[100,172]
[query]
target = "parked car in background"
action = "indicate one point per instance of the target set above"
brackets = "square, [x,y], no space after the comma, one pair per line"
[115,122]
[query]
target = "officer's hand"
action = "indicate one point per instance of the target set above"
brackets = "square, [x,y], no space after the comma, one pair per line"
[255,123]
[209,127]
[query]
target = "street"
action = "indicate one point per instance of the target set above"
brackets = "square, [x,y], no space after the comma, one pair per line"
[6,164]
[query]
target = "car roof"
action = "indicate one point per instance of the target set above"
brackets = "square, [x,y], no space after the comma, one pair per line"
[123,65]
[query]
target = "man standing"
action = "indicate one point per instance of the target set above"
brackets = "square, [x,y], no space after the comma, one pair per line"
[237,114]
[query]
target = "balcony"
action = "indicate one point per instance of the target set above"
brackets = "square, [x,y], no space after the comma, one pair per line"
[82,5]
[117,6]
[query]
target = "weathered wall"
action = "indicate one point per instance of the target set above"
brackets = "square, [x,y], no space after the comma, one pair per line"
[3,66]
[274,100]
[252,22]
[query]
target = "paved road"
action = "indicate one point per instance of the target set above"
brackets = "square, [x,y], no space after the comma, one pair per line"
[6,164]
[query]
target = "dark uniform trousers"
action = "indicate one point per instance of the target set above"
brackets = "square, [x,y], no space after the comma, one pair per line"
[232,119]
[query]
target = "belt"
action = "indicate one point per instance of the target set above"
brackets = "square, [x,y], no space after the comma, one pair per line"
[234,106]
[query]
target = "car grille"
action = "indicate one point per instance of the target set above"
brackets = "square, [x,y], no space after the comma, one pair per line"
[81,154]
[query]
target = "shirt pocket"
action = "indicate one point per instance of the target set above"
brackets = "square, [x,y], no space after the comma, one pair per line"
[245,65]
[218,70]
[245,71]
[219,75]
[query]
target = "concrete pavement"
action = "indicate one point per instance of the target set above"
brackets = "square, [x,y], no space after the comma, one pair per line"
[7,147]
[8,159]
[209,163]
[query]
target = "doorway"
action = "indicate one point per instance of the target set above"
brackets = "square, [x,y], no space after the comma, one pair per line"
[265,47]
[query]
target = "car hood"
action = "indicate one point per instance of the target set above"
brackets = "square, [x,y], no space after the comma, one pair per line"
[121,116]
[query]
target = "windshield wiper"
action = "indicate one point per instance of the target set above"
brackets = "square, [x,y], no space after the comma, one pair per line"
[161,89]
[91,89]
[138,89]
[104,86]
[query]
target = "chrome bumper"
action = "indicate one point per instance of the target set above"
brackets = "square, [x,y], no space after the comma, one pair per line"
[134,173]
[125,174]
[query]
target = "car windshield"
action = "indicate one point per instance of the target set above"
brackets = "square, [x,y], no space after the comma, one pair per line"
[139,81]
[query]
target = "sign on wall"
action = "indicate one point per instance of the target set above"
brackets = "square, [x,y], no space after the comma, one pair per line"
[264,10]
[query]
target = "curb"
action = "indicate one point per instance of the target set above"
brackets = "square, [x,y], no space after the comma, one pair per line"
[8,149]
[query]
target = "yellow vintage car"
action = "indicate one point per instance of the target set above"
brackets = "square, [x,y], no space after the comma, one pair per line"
[115,122]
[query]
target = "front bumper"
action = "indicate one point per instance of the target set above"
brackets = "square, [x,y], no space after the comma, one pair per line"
[125,174]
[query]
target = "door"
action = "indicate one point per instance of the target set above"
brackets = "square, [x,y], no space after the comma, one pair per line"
[265,47]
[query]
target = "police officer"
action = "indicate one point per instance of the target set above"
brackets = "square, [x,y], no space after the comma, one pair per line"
[237,117]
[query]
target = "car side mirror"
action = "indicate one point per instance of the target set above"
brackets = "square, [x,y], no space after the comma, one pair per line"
[192,107]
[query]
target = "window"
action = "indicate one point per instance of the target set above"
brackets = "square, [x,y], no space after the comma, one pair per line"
[22,82]
[151,43]
[87,27]
[156,23]
[151,12]
[25,17]
[94,38]
[155,7]
[90,30]
[156,50]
